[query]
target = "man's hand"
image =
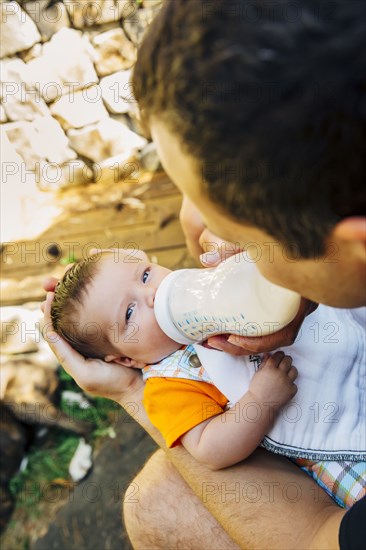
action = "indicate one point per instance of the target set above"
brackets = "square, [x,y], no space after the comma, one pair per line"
[247,345]
[214,249]
[217,251]
[92,375]
[274,381]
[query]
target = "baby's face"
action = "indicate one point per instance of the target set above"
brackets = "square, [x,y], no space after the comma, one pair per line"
[120,300]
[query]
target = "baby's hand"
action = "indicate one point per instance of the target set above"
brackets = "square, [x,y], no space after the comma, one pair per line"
[274,381]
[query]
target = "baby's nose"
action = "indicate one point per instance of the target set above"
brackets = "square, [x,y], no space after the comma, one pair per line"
[150,296]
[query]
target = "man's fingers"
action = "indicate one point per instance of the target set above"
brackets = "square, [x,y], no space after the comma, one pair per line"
[257,344]
[215,249]
[47,329]
[73,363]
[210,245]
[260,344]
[283,338]
[63,351]
[70,359]
[49,284]
[210,259]
[94,251]
[220,342]
[47,306]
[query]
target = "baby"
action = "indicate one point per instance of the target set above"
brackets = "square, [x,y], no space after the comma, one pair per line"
[104,307]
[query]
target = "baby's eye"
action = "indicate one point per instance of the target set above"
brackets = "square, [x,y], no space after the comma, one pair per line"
[129,313]
[145,276]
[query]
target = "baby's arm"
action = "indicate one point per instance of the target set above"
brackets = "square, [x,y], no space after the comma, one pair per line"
[232,436]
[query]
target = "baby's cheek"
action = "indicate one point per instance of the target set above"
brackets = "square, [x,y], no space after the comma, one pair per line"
[160,334]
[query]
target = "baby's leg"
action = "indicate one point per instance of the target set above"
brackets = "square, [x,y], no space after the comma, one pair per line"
[344,481]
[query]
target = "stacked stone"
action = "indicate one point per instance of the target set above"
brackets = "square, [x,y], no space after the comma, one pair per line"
[67,103]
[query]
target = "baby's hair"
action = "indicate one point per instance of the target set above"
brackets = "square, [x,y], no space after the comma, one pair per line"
[68,300]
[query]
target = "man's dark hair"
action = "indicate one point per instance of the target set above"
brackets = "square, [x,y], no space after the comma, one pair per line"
[269,97]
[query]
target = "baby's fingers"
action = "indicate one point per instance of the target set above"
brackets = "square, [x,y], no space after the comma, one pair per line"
[292,373]
[285,364]
[272,360]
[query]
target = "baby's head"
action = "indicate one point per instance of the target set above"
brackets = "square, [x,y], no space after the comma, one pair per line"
[104,307]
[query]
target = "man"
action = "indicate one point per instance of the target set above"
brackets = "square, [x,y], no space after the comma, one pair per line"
[257,113]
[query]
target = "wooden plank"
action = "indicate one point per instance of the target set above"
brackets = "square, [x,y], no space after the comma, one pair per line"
[29,289]
[144,186]
[25,258]
[96,217]
[102,227]
[101,219]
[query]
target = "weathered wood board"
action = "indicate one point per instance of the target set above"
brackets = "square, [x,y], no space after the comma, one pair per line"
[144,216]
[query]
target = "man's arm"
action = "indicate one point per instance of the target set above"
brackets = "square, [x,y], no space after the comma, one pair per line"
[232,436]
[265,502]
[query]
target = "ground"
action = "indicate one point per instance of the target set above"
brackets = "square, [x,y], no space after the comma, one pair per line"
[91,518]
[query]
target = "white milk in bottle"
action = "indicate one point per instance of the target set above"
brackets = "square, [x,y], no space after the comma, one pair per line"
[234,298]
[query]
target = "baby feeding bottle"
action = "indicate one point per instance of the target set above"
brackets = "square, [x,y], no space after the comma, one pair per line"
[234,298]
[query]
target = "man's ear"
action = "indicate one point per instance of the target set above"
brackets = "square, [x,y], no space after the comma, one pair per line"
[124,361]
[351,229]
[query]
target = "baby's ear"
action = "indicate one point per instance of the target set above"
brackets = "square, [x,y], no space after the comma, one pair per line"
[124,361]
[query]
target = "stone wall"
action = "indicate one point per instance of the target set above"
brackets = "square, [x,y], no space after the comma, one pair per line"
[67,104]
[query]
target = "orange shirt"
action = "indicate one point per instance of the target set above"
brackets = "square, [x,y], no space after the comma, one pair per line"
[176,405]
